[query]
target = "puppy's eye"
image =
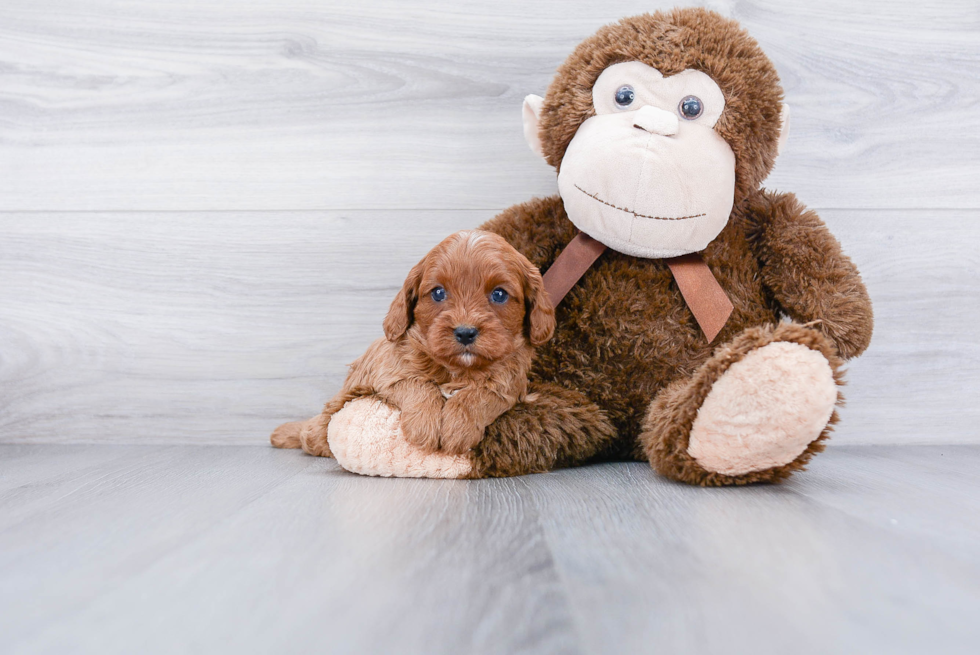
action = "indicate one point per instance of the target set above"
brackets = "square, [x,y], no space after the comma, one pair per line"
[438,294]
[690,107]
[625,96]
[499,296]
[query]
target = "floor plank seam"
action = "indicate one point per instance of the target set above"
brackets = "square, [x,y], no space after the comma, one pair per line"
[577,620]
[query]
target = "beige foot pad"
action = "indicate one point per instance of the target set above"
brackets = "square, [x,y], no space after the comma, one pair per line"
[365,437]
[764,411]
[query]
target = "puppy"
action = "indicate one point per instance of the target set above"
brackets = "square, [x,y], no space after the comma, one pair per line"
[457,347]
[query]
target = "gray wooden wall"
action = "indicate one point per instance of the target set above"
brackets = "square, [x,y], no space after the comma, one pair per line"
[205,208]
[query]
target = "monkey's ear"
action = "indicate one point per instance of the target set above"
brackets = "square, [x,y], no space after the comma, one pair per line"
[532,114]
[402,310]
[783,129]
[539,313]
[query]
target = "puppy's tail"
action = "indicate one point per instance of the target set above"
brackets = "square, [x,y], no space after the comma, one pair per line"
[287,435]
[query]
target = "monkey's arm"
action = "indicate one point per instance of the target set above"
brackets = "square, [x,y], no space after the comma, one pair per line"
[806,271]
[539,229]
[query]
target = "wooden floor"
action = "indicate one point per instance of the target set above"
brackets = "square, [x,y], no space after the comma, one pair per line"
[147,549]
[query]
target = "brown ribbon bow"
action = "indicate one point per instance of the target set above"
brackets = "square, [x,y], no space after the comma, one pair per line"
[704,296]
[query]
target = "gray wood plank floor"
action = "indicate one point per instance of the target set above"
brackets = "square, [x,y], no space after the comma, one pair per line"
[163,549]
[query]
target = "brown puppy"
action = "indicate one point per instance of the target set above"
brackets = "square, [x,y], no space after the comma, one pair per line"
[457,347]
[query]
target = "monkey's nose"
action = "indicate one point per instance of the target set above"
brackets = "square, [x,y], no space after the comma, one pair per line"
[656,121]
[465,334]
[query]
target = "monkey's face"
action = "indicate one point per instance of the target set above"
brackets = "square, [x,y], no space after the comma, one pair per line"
[648,175]
[658,125]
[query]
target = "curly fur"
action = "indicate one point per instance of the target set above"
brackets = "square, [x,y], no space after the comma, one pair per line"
[447,391]
[629,368]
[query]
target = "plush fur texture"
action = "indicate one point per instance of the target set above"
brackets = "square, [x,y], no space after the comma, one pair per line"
[626,341]
[366,438]
[553,427]
[624,331]
[672,42]
[447,387]
[667,426]
[764,410]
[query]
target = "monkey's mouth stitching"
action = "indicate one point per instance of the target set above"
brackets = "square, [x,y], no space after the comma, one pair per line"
[630,211]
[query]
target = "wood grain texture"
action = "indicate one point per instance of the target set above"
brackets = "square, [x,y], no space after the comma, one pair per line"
[825,563]
[300,104]
[214,328]
[253,550]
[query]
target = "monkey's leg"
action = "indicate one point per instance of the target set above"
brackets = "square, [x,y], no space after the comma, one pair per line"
[756,411]
[553,427]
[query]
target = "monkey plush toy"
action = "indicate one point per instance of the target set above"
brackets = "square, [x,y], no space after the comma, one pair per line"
[703,320]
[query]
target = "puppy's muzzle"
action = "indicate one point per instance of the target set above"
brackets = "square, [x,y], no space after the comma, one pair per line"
[465,334]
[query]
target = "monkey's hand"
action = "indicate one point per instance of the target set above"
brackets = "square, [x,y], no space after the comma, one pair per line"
[808,274]
[365,437]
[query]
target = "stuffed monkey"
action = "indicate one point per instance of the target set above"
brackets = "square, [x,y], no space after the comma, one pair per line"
[703,320]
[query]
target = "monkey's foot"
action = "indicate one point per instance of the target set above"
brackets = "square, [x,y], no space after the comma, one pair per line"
[756,411]
[764,410]
[365,437]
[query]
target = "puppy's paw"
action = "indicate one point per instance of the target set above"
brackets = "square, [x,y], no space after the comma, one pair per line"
[420,425]
[287,435]
[460,433]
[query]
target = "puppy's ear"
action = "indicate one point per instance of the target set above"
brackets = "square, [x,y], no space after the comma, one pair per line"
[539,314]
[402,310]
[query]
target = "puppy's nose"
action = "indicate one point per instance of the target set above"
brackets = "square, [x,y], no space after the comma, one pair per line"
[465,334]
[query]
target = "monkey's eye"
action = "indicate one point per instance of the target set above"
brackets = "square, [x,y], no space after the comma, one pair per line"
[499,296]
[438,294]
[690,107]
[625,96]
